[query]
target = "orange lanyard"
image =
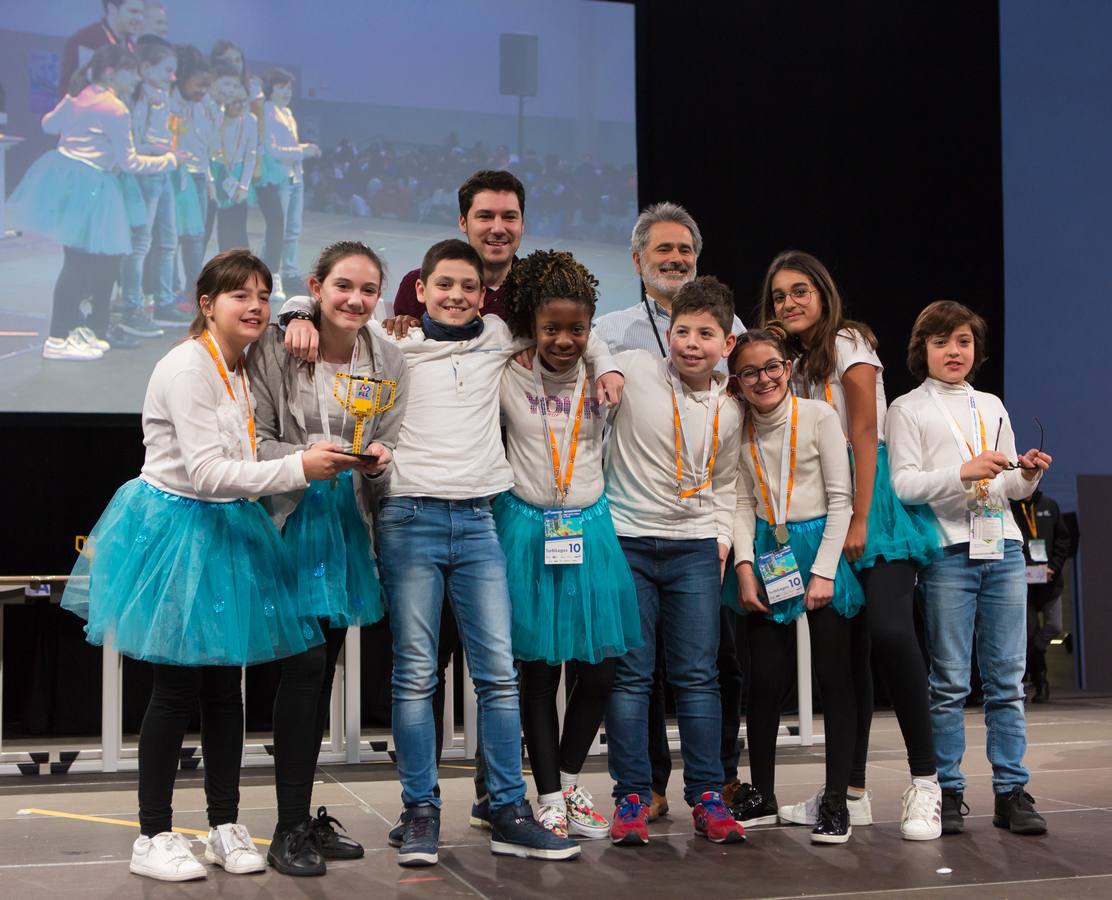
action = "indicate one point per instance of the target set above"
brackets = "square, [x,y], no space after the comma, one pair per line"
[222,370]
[677,424]
[794,426]
[829,394]
[563,484]
[1029,515]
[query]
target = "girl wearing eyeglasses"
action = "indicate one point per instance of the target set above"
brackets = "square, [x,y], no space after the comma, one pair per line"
[953,447]
[794,504]
[836,362]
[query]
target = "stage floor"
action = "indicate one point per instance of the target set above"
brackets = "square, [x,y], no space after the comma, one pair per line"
[70,836]
[117,383]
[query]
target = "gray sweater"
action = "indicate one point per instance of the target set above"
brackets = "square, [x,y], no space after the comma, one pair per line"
[280,420]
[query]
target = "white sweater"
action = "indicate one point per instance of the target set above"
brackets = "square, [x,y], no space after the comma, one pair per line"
[527,445]
[641,458]
[281,140]
[822,485]
[926,459]
[196,435]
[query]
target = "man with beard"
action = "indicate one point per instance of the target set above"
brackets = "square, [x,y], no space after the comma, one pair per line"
[122,23]
[666,244]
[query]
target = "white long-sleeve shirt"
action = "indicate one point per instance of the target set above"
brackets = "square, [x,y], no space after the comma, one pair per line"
[95,129]
[196,435]
[281,140]
[193,126]
[641,457]
[236,141]
[926,459]
[822,486]
[150,121]
[527,444]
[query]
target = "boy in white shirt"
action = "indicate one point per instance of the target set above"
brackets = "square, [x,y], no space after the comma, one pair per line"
[671,477]
[953,448]
[435,531]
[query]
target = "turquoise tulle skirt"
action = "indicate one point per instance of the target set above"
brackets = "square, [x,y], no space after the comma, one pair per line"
[897,531]
[134,204]
[587,612]
[272,172]
[187,582]
[804,538]
[77,205]
[187,204]
[220,173]
[327,542]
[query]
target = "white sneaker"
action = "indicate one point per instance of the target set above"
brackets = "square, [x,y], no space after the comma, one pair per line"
[807,812]
[277,293]
[165,857]
[921,818]
[230,847]
[86,334]
[68,348]
[554,817]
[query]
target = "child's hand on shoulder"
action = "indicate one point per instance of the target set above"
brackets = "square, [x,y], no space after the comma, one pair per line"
[399,326]
[820,591]
[1033,463]
[608,387]
[302,339]
[524,358]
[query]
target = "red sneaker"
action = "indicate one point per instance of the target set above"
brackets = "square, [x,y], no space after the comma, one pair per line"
[714,821]
[630,825]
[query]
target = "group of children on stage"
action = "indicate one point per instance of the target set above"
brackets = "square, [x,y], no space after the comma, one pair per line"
[386,487]
[157,149]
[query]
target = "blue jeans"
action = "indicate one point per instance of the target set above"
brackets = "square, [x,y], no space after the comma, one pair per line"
[292,195]
[425,545]
[677,587]
[964,595]
[158,196]
[193,245]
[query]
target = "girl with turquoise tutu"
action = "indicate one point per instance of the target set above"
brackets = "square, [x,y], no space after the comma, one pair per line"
[183,571]
[888,542]
[233,157]
[572,593]
[74,195]
[794,498]
[327,527]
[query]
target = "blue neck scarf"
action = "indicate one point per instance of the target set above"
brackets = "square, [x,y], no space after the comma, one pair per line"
[438,331]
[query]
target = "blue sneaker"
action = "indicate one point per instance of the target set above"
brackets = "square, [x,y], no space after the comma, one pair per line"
[420,836]
[396,835]
[480,813]
[514,832]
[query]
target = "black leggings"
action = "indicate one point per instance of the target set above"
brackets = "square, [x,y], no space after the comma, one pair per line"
[550,752]
[863,691]
[890,596]
[231,227]
[300,714]
[270,205]
[83,275]
[770,656]
[177,689]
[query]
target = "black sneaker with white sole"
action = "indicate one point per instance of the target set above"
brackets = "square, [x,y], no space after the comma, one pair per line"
[751,808]
[421,836]
[170,316]
[832,822]
[514,832]
[954,811]
[120,339]
[138,323]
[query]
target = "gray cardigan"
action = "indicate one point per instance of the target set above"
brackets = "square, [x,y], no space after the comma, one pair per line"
[280,421]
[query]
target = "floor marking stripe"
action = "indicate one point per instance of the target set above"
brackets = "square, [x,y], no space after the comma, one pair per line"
[103,820]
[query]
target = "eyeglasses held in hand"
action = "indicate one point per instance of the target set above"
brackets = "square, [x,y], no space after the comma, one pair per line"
[751,375]
[1019,464]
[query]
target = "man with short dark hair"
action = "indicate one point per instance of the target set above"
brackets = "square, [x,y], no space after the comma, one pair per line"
[492,219]
[123,21]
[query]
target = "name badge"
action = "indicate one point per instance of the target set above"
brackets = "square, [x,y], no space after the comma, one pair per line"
[563,537]
[780,574]
[986,533]
[1036,575]
[1036,548]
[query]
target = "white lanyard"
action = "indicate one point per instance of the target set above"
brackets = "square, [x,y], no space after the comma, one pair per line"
[974,423]
[698,471]
[785,464]
[569,426]
[322,399]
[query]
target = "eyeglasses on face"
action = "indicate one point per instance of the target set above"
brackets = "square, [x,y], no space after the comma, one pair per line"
[750,375]
[799,294]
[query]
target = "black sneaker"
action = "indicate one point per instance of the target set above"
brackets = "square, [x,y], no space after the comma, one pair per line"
[832,822]
[954,811]
[334,845]
[120,339]
[396,834]
[480,813]
[750,807]
[1015,811]
[514,832]
[138,323]
[294,852]
[170,316]
[1042,689]
[420,837]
